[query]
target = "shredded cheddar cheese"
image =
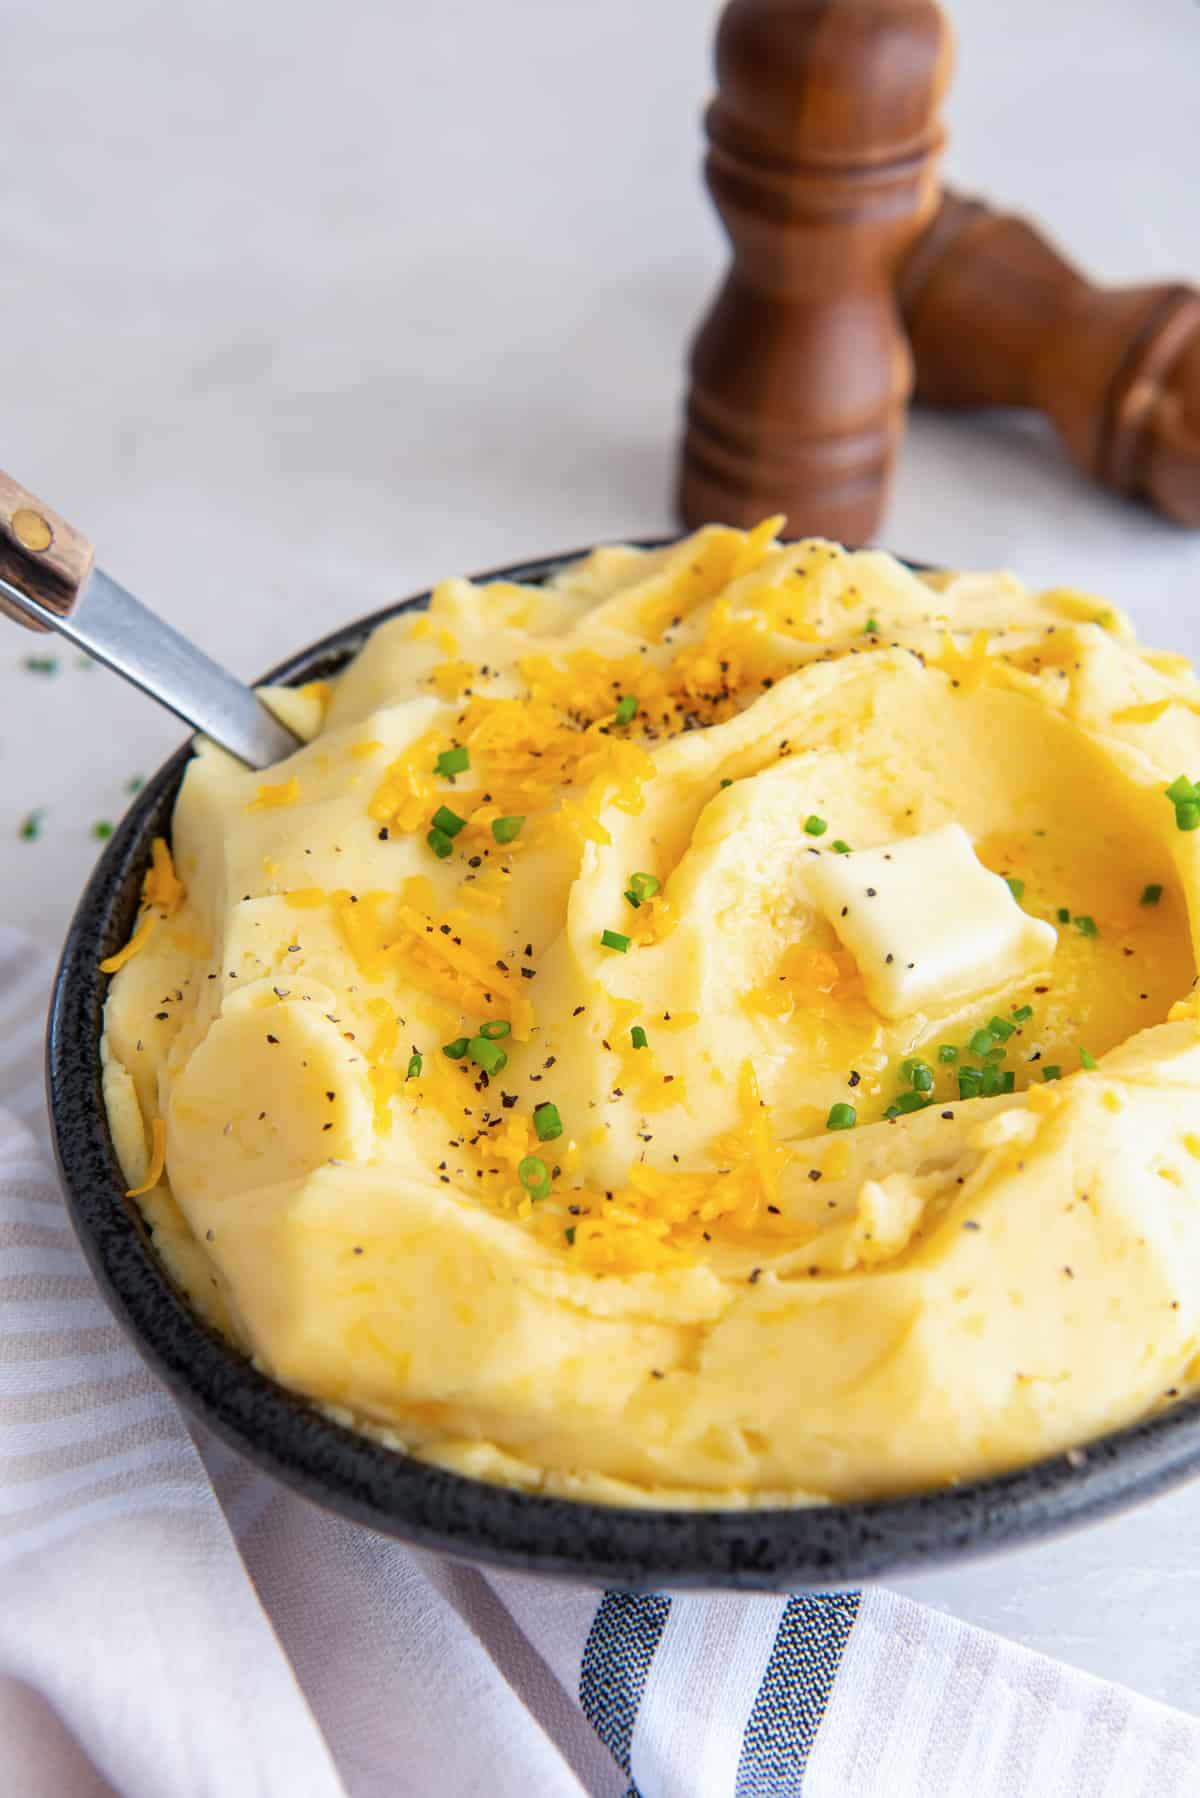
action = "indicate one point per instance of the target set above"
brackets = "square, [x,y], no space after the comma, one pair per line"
[755,545]
[158,1161]
[404,797]
[969,668]
[162,886]
[307,898]
[825,982]
[660,1216]
[138,940]
[696,573]
[455,960]
[269,798]
[450,678]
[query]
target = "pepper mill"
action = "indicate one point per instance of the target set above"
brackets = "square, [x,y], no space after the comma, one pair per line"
[822,144]
[998,317]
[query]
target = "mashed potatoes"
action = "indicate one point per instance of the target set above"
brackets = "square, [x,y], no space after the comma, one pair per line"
[716,1029]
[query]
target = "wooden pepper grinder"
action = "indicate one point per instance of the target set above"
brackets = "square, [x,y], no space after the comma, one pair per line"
[997,317]
[822,138]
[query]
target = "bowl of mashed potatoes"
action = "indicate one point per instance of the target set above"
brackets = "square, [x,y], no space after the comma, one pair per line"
[690,1074]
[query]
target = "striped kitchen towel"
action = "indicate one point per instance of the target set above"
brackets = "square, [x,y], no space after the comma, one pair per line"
[173,1624]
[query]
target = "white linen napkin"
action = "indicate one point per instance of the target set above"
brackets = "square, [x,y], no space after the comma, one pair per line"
[173,1624]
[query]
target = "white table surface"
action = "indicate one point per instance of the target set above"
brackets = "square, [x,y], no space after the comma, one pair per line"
[303,305]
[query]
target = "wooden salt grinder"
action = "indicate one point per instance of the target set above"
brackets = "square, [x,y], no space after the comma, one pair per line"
[997,317]
[822,142]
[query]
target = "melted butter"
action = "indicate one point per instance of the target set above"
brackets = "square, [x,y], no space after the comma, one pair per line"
[1099,989]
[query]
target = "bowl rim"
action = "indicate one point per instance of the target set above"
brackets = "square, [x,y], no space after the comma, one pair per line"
[638,1548]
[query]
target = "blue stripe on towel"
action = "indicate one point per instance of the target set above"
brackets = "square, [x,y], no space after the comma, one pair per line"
[783,1724]
[616,1659]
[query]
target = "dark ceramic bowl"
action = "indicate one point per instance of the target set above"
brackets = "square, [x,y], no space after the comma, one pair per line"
[835,1545]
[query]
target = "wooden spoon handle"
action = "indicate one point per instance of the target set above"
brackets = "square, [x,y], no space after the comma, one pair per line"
[40,553]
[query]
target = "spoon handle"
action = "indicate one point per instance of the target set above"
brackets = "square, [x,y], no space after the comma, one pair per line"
[40,553]
[48,582]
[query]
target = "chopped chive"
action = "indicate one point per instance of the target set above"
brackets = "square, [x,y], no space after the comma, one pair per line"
[970,1082]
[870,626]
[816,827]
[507,830]
[726,782]
[914,1101]
[1022,1014]
[453,761]
[1185,797]
[637,1037]
[644,885]
[31,827]
[612,939]
[1016,887]
[627,709]
[487,1055]
[918,1073]
[996,1054]
[1087,926]
[447,821]
[494,1029]
[534,1176]
[838,847]
[893,1111]
[1086,1060]
[440,843]
[990,1082]
[569,1233]
[547,1123]
[415,1064]
[1050,1073]
[981,1041]
[947,1052]
[458,1048]
[1008,1081]
[1064,916]
[1000,1028]
[41,664]
[102,829]
[632,897]
[841,1117]
[1151,894]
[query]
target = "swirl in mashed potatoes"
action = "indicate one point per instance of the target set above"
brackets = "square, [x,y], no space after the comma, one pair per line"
[714,1029]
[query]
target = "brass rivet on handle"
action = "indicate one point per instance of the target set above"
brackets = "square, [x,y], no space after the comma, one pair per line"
[31,530]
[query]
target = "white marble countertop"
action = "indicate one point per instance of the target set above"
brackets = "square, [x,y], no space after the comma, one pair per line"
[302,306]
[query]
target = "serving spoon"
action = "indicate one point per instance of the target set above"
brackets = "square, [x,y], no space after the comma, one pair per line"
[48,581]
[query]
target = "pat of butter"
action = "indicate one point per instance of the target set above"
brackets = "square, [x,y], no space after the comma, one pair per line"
[926,922]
